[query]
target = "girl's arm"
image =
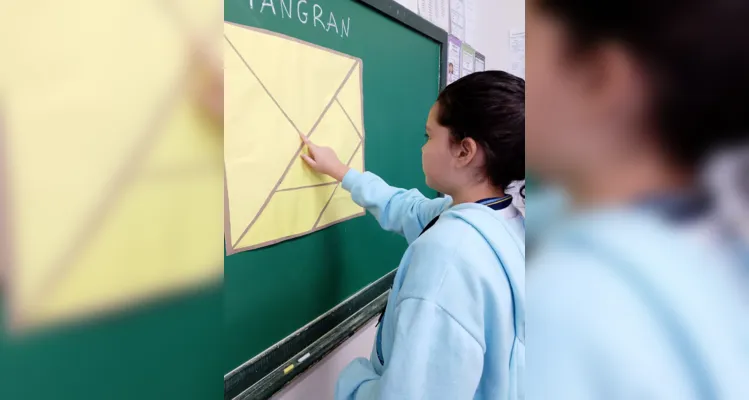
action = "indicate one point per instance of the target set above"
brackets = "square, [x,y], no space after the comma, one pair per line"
[403,211]
[406,212]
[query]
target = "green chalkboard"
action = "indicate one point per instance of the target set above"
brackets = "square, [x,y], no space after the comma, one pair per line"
[165,350]
[271,292]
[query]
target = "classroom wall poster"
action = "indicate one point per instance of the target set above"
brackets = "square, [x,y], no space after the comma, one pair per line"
[471,23]
[458,19]
[453,59]
[517,52]
[480,64]
[442,14]
[410,4]
[435,11]
[467,58]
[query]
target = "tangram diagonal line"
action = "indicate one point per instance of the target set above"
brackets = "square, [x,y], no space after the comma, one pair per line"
[127,173]
[306,187]
[6,257]
[117,186]
[246,64]
[301,145]
[319,217]
[349,118]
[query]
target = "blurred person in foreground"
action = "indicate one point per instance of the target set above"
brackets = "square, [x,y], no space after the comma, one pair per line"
[637,276]
[210,89]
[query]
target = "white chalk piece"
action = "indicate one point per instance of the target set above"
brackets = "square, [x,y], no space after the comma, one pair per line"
[303,358]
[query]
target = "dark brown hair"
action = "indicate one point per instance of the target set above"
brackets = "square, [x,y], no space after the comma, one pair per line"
[489,107]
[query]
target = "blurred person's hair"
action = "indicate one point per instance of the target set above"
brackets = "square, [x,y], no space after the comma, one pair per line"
[695,53]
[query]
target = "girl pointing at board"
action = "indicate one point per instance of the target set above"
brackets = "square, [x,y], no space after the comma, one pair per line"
[454,324]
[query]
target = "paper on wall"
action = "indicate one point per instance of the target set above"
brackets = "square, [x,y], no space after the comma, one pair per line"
[435,11]
[123,151]
[453,59]
[480,64]
[424,9]
[410,4]
[471,23]
[442,14]
[467,60]
[457,19]
[269,102]
[517,52]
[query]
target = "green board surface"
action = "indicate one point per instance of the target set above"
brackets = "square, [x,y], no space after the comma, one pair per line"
[271,292]
[165,350]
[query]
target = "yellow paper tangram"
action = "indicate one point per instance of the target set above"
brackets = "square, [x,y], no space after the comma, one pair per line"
[114,175]
[277,88]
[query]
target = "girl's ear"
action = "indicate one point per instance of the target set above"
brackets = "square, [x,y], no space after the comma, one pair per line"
[467,151]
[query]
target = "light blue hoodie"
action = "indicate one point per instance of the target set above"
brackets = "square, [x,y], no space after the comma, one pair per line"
[455,322]
[624,303]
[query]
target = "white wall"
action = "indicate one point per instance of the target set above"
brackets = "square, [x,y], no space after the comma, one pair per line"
[318,382]
[494,19]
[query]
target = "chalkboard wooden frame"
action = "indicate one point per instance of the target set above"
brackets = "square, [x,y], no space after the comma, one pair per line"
[410,19]
[263,375]
[268,373]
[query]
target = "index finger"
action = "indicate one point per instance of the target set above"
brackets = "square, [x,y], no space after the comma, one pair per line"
[305,139]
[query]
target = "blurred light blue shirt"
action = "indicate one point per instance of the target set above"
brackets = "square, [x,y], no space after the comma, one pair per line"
[454,324]
[624,303]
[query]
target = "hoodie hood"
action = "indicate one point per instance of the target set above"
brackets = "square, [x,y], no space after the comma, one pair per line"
[504,231]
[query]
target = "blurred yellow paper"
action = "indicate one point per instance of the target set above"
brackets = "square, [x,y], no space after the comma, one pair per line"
[113,175]
[277,88]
